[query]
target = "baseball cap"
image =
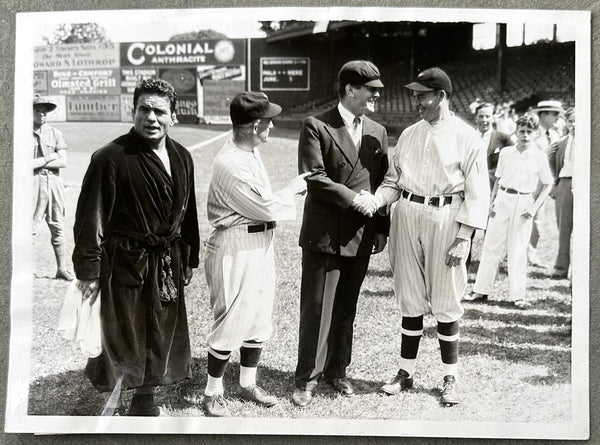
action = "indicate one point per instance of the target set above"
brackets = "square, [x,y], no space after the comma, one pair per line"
[39,100]
[431,79]
[360,72]
[250,106]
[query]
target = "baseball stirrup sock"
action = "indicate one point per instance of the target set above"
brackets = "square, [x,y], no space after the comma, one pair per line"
[448,337]
[250,353]
[247,376]
[412,331]
[217,362]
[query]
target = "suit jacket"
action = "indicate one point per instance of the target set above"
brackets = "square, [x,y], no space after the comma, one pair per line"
[325,148]
[498,141]
[556,156]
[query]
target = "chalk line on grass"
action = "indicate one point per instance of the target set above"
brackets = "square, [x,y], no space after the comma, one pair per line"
[209,141]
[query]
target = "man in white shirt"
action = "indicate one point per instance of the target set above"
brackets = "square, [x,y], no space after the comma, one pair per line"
[548,112]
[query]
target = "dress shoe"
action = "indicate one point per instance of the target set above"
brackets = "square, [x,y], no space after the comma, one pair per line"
[215,406]
[256,394]
[143,405]
[449,395]
[343,386]
[302,397]
[400,382]
[475,297]
[64,275]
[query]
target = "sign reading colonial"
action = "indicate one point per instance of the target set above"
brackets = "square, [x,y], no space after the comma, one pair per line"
[196,52]
[284,73]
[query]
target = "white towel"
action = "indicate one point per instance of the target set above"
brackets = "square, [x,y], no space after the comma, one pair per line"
[79,322]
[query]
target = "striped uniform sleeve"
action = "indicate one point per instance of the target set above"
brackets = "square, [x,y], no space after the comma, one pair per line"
[248,196]
[389,191]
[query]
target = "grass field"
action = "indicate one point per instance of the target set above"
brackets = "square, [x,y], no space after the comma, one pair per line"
[515,364]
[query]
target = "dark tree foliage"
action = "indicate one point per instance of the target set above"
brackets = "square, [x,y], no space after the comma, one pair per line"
[77,33]
[203,34]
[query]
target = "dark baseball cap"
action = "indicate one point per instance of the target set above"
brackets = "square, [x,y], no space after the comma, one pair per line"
[431,79]
[250,106]
[360,72]
[39,101]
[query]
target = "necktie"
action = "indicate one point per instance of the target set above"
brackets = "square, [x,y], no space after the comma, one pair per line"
[356,136]
[548,137]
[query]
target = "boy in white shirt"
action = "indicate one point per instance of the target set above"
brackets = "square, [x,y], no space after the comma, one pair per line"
[520,167]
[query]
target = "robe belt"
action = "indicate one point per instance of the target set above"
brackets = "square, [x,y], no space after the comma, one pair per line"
[161,246]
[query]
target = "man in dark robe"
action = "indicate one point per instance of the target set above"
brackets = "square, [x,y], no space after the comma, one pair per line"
[136,242]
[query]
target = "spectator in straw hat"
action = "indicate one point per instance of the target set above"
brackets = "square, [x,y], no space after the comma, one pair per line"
[548,112]
[49,157]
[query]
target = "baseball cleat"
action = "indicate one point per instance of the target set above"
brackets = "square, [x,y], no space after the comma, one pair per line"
[215,406]
[256,394]
[449,395]
[400,382]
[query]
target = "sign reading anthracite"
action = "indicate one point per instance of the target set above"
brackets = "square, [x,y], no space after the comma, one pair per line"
[196,52]
[284,73]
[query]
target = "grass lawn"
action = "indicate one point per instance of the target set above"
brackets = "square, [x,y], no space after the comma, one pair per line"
[515,364]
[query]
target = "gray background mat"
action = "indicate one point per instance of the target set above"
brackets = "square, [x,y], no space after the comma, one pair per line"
[8,9]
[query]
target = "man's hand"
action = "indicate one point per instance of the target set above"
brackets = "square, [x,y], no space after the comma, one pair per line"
[189,273]
[89,289]
[365,203]
[298,184]
[457,252]
[527,214]
[379,242]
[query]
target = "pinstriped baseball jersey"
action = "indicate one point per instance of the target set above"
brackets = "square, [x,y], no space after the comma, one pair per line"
[240,191]
[442,159]
[239,265]
[447,158]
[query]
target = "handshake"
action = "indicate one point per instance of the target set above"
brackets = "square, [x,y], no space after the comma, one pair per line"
[366,203]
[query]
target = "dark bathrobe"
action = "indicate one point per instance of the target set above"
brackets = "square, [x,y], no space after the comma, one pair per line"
[136,230]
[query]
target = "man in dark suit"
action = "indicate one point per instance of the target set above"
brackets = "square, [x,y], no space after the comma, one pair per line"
[347,154]
[562,167]
[494,140]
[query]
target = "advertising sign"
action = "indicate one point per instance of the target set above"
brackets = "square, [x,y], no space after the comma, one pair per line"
[76,55]
[191,53]
[217,97]
[187,109]
[131,76]
[84,81]
[40,82]
[93,108]
[182,79]
[284,73]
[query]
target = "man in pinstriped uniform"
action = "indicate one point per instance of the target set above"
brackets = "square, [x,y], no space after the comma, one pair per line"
[239,260]
[439,178]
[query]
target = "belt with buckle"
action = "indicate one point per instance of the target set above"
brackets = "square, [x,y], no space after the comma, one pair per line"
[434,201]
[513,191]
[45,171]
[261,227]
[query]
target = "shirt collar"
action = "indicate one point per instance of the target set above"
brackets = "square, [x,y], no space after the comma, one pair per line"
[346,114]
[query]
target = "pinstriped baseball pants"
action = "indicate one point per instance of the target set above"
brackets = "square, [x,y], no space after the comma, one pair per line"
[240,273]
[420,236]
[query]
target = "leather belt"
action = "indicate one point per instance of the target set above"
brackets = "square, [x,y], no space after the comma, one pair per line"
[513,191]
[255,228]
[45,171]
[434,201]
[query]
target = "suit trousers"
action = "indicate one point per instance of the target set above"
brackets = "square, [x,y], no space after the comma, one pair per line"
[563,201]
[328,297]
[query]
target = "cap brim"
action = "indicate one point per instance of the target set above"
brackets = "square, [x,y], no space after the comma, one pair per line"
[416,86]
[272,111]
[377,83]
[49,106]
